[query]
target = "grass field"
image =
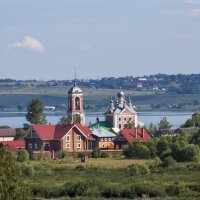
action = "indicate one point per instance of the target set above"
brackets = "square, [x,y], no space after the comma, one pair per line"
[111,178]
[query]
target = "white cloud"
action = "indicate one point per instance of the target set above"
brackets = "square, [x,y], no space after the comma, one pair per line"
[194,12]
[29,43]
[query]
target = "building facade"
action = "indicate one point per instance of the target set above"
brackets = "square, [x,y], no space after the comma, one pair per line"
[121,113]
[48,138]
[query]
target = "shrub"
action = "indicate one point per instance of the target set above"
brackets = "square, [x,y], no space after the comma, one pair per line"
[134,170]
[27,170]
[22,155]
[168,161]
[63,154]
[173,189]
[104,154]
[79,168]
[96,153]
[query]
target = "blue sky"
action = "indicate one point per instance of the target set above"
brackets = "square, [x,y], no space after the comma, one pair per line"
[46,39]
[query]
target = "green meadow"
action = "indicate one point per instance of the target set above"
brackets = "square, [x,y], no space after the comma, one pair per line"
[112,178]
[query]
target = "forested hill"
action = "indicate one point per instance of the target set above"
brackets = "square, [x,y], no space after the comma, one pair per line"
[180,83]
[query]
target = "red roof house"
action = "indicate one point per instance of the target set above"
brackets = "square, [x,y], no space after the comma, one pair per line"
[128,135]
[13,146]
[70,137]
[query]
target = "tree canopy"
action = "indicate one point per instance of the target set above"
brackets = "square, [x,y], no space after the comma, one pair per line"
[11,186]
[164,124]
[35,112]
[193,122]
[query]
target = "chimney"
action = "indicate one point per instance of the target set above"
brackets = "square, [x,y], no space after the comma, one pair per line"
[142,132]
[136,133]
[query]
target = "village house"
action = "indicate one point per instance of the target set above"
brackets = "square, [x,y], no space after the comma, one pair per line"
[13,146]
[7,134]
[127,135]
[103,138]
[55,138]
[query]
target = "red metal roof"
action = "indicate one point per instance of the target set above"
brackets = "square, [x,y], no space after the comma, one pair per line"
[135,134]
[7,132]
[85,130]
[57,132]
[14,146]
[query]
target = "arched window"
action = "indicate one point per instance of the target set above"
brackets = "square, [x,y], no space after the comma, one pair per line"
[77,103]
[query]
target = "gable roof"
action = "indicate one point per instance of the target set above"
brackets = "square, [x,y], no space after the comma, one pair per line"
[163,132]
[57,132]
[13,146]
[7,132]
[134,134]
[187,131]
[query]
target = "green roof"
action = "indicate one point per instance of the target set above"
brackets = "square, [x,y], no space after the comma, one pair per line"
[102,124]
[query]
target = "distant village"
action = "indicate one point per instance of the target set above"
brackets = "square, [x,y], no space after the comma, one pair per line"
[121,126]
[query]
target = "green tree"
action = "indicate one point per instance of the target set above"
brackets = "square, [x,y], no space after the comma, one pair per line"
[164,124]
[20,134]
[68,119]
[196,138]
[152,129]
[35,112]
[193,122]
[22,155]
[11,187]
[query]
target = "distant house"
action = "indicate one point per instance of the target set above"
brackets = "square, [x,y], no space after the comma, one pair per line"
[13,146]
[187,131]
[7,134]
[164,132]
[103,138]
[128,135]
[54,138]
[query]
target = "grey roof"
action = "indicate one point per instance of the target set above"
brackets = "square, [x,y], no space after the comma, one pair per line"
[186,130]
[7,132]
[75,89]
[102,133]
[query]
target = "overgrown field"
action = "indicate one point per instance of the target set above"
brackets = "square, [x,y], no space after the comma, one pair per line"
[111,178]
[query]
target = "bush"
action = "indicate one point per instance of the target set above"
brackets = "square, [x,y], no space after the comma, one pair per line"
[63,154]
[96,153]
[134,170]
[168,161]
[27,170]
[104,154]
[173,189]
[136,150]
[22,155]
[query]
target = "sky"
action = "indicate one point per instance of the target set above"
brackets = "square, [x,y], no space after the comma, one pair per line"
[47,39]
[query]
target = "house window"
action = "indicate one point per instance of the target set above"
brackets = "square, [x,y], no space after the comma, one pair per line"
[36,146]
[30,146]
[68,145]
[120,126]
[68,138]
[125,119]
[130,119]
[101,139]
[109,139]
[78,138]
[78,145]
[105,139]
[119,118]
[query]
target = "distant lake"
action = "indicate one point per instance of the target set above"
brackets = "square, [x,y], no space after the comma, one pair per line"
[16,119]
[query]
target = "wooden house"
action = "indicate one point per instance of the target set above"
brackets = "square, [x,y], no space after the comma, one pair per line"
[55,138]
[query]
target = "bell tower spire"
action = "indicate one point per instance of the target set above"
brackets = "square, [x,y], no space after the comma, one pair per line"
[75,102]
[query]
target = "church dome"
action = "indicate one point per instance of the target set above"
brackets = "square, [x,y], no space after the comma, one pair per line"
[74,89]
[120,93]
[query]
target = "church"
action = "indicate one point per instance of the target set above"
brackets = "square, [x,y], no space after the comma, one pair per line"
[76,136]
